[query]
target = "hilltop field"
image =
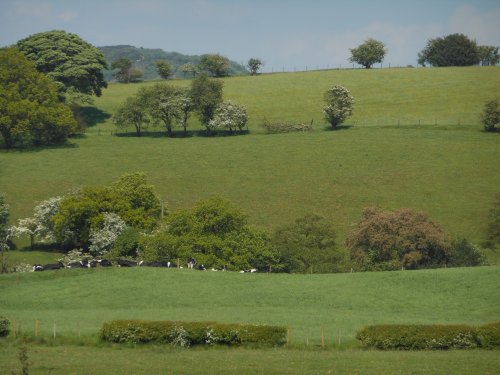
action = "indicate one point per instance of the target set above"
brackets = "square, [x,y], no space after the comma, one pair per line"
[414,141]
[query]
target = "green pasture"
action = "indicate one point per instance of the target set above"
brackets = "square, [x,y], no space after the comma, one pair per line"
[445,166]
[79,301]
[79,360]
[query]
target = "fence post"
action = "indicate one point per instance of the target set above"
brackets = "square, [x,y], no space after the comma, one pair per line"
[54,329]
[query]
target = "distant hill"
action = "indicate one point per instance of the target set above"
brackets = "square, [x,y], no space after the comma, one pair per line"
[144,58]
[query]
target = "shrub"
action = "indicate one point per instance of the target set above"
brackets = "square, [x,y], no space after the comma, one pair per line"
[185,334]
[491,116]
[418,337]
[465,254]
[339,105]
[286,127]
[228,116]
[4,326]
[489,335]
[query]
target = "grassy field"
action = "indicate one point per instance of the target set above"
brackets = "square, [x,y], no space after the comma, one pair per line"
[341,304]
[78,301]
[447,170]
[63,360]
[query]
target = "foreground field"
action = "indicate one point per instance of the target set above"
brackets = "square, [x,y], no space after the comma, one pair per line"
[156,360]
[79,301]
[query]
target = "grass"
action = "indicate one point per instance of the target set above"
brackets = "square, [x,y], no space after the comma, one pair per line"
[79,301]
[159,360]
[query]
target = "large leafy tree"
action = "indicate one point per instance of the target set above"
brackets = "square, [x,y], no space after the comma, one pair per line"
[395,239]
[452,50]
[67,59]
[164,68]
[213,232]
[85,212]
[229,116]
[215,64]
[308,245]
[206,95]
[370,52]
[123,68]
[30,110]
[254,65]
[132,112]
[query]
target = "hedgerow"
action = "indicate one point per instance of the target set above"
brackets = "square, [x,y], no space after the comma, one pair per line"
[419,337]
[185,334]
[285,127]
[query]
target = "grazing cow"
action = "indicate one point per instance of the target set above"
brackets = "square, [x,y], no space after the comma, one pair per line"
[104,263]
[154,264]
[191,263]
[126,263]
[201,267]
[37,267]
[252,270]
[53,266]
[76,265]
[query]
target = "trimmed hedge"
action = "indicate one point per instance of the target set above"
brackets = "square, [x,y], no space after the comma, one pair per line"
[4,326]
[186,334]
[282,127]
[418,337]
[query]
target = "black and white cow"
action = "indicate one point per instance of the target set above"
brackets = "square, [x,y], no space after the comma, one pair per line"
[50,266]
[76,265]
[191,263]
[126,263]
[155,264]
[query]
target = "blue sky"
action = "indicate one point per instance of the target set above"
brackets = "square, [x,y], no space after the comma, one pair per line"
[289,35]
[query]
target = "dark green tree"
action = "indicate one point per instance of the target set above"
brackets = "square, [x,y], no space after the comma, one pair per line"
[189,68]
[488,55]
[30,110]
[123,67]
[308,245]
[164,68]
[491,116]
[67,59]
[206,95]
[452,50]
[216,234]
[131,198]
[493,229]
[4,234]
[215,64]
[370,52]
[254,65]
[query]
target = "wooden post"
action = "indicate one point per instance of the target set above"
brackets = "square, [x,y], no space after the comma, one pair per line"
[178,262]
[36,328]
[54,329]
[340,335]
[322,338]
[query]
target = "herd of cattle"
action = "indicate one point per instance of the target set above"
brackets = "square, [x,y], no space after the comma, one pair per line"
[126,263]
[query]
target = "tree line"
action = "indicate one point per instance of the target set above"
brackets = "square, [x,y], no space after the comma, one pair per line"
[127,220]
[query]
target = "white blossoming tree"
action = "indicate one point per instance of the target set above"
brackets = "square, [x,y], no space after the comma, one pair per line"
[229,116]
[40,225]
[339,105]
[103,237]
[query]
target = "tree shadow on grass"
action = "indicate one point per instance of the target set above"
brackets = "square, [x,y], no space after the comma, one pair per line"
[31,149]
[93,116]
[182,134]
[45,247]
[338,128]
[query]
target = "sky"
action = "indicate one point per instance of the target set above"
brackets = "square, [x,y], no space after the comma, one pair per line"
[285,34]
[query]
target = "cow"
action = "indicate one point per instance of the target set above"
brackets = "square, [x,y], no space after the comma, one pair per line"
[251,270]
[191,263]
[76,265]
[104,263]
[126,263]
[154,264]
[37,267]
[201,267]
[50,266]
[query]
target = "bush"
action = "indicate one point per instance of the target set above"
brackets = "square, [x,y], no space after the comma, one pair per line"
[285,127]
[418,337]
[465,254]
[491,116]
[185,334]
[489,335]
[4,326]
